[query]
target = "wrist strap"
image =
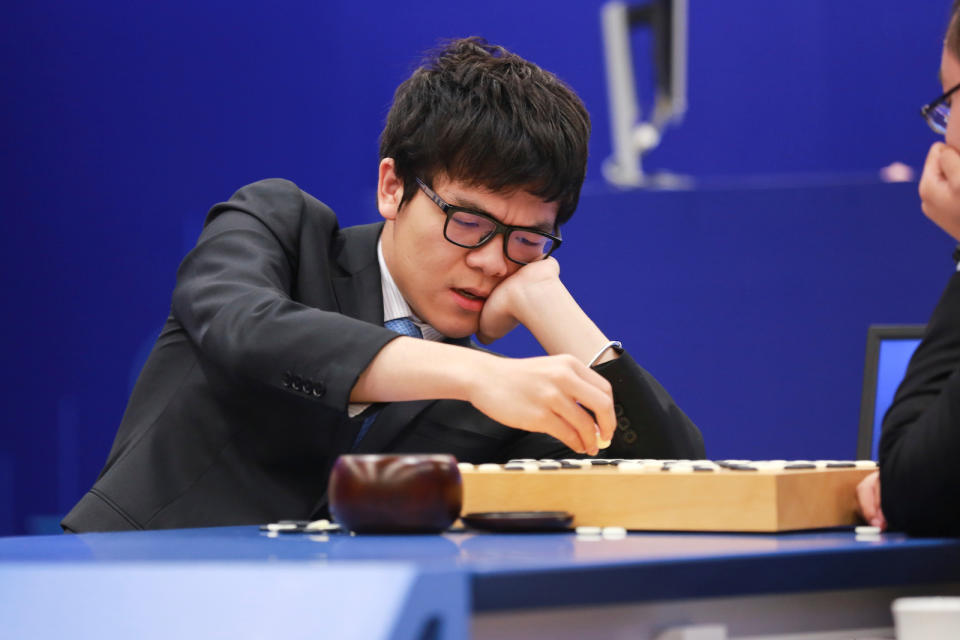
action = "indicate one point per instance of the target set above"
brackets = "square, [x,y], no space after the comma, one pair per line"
[613,343]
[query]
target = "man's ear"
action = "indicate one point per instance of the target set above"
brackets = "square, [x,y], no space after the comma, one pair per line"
[389,190]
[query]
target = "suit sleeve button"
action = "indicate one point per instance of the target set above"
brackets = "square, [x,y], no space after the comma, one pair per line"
[623,423]
[618,409]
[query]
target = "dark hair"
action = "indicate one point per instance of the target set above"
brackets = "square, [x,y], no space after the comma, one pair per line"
[952,40]
[484,116]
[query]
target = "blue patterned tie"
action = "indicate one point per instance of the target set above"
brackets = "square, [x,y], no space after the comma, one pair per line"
[405,327]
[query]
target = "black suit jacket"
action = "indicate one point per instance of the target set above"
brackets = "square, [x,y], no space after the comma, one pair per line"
[920,443]
[240,410]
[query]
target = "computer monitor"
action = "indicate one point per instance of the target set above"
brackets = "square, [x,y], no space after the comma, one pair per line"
[889,348]
[634,133]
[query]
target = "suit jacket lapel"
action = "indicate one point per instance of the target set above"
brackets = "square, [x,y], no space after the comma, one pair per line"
[393,418]
[358,290]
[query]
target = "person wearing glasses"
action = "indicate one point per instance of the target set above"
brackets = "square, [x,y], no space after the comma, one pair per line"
[292,341]
[916,489]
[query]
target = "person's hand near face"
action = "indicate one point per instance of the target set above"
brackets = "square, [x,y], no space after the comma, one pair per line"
[940,188]
[535,297]
[940,182]
[514,298]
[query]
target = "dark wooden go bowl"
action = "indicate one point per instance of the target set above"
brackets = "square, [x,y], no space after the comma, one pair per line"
[395,493]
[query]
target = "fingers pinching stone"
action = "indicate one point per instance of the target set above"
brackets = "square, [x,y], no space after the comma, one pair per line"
[601,443]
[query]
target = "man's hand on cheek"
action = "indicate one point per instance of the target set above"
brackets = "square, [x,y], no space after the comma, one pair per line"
[507,305]
[940,188]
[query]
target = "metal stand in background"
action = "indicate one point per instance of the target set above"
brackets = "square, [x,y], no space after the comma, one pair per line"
[631,136]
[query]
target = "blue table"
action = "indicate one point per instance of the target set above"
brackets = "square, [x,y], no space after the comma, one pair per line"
[240,582]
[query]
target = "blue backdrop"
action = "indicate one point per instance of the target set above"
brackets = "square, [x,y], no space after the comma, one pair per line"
[748,296]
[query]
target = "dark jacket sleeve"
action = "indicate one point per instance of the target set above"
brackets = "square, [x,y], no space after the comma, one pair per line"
[649,423]
[233,297]
[920,443]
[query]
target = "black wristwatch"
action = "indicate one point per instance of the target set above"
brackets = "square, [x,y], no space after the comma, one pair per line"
[956,256]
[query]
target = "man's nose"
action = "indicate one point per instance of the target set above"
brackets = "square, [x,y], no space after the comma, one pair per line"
[489,258]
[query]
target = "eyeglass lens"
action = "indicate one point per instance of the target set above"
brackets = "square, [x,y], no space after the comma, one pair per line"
[938,117]
[470,230]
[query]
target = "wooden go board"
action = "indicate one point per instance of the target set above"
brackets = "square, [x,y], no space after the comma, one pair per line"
[674,495]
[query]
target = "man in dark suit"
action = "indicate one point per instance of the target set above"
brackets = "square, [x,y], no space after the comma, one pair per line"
[276,359]
[920,443]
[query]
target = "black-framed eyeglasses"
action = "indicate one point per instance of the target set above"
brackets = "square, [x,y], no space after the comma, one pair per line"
[471,229]
[937,113]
